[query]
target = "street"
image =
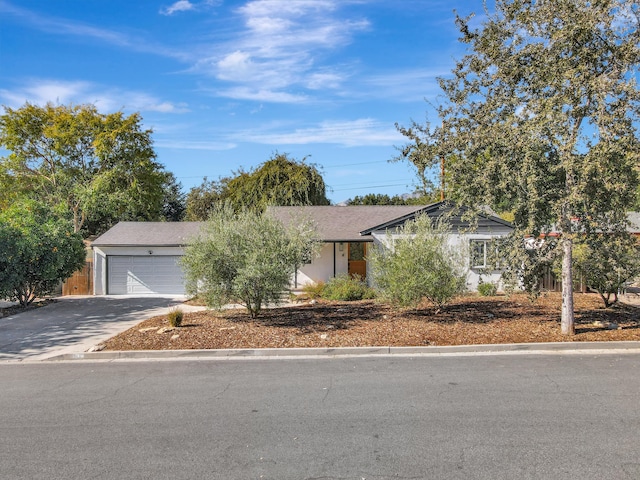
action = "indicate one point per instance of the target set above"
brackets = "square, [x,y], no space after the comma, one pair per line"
[556,416]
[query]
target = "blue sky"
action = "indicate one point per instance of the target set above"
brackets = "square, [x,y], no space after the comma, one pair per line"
[226,84]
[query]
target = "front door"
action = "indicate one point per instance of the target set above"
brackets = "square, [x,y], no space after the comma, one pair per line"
[357,262]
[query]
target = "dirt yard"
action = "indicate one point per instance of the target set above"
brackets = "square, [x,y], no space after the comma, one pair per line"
[468,320]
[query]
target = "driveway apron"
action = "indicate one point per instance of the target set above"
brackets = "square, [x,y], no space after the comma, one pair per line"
[74,324]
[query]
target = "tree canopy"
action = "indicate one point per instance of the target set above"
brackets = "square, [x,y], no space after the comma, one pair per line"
[100,168]
[541,115]
[384,199]
[280,181]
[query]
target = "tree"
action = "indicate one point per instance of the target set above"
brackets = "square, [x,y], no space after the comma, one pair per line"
[423,153]
[101,168]
[541,115]
[174,200]
[245,257]
[418,262]
[383,199]
[37,251]
[204,198]
[607,262]
[280,181]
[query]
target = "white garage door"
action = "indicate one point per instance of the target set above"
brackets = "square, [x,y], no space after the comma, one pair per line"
[144,275]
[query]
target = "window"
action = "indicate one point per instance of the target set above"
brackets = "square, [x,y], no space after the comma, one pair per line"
[478,249]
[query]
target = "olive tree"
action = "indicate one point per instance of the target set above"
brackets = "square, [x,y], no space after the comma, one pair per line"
[246,257]
[417,262]
[37,251]
[541,115]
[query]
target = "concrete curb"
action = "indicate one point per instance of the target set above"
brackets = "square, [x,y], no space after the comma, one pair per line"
[281,353]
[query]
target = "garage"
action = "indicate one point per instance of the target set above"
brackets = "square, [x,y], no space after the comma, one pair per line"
[136,274]
[141,258]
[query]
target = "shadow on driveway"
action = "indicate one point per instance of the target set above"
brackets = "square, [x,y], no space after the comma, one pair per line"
[74,324]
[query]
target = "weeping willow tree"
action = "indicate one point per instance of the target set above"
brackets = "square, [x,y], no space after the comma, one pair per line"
[281,181]
[541,115]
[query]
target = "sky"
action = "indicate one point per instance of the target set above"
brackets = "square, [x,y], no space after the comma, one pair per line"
[225,85]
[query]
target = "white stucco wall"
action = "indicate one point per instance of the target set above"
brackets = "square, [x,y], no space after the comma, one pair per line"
[100,261]
[321,269]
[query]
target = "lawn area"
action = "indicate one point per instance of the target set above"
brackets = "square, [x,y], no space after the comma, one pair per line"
[467,320]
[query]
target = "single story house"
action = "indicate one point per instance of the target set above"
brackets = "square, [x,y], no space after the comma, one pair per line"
[349,232]
[142,257]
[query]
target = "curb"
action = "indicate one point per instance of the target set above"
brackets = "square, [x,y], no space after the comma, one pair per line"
[282,353]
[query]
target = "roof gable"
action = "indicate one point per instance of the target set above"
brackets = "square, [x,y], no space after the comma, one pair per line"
[454,215]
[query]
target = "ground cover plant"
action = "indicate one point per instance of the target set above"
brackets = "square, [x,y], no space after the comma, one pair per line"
[466,320]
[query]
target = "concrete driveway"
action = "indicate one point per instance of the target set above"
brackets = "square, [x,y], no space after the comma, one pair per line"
[76,323]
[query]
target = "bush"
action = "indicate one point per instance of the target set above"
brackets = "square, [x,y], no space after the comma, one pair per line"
[315,290]
[418,263]
[487,289]
[175,317]
[347,288]
[37,251]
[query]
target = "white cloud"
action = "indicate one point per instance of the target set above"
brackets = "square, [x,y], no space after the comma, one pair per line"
[279,48]
[179,6]
[261,95]
[407,85]
[361,132]
[42,91]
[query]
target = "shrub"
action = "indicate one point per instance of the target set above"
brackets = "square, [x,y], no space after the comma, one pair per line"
[347,288]
[418,263]
[37,251]
[314,290]
[487,289]
[175,317]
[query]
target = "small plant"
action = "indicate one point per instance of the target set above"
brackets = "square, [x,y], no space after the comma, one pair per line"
[487,289]
[313,291]
[347,288]
[175,317]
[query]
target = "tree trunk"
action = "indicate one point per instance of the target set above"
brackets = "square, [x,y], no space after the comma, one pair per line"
[567,326]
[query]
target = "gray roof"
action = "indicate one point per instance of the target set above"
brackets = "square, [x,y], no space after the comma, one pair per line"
[343,224]
[142,234]
[334,224]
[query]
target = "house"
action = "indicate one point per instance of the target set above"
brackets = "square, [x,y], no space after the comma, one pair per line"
[142,257]
[349,232]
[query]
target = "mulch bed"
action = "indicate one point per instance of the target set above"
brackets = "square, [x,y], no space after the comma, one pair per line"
[468,320]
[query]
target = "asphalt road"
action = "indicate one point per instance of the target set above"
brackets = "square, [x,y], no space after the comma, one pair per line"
[485,417]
